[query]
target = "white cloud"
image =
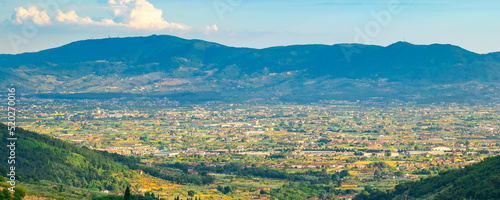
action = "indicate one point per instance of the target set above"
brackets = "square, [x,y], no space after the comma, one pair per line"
[140,14]
[108,22]
[32,14]
[135,14]
[72,18]
[208,29]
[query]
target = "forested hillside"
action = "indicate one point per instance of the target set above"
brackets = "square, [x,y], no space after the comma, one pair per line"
[479,181]
[40,157]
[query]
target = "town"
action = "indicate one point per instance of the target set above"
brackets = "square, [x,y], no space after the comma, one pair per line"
[357,144]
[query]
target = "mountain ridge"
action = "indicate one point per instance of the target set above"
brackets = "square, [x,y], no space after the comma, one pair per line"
[199,40]
[168,64]
[145,40]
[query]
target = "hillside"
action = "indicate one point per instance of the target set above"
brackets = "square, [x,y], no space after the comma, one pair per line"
[159,66]
[51,165]
[40,157]
[479,181]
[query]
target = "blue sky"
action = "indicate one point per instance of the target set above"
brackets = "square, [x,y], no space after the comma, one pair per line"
[28,25]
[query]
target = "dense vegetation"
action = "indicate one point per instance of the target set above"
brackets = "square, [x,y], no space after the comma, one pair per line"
[5,194]
[313,177]
[302,191]
[40,157]
[479,181]
[177,176]
[303,185]
[146,196]
[131,197]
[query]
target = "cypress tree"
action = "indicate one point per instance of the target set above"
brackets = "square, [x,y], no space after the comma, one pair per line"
[127,195]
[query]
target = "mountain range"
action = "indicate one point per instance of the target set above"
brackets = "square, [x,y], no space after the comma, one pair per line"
[168,66]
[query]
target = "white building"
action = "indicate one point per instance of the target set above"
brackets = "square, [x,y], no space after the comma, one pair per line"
[442,149]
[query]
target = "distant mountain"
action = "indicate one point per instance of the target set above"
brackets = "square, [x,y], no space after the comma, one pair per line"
[166,65]
[479,181]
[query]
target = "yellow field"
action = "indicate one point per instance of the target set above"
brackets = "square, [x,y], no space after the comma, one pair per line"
[363,162]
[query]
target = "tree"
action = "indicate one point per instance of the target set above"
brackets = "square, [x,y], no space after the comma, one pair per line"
[191,193]
[6,193]
[127,195]
[220,188]
[19,192]
[483,151]
[228,189]
[344,173]
[398,173]
[331,197]
[115,187]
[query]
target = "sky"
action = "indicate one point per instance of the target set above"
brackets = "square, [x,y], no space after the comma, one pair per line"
[34,25]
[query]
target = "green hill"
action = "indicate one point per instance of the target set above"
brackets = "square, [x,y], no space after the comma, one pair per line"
[479,181]
[40,157]
[49,165]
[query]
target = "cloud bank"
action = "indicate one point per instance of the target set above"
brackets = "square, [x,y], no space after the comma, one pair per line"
[134,14]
